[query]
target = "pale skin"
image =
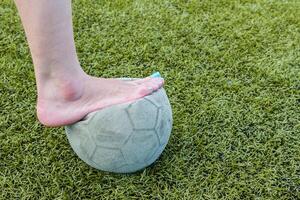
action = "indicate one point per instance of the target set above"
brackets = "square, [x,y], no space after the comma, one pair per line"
[65,92]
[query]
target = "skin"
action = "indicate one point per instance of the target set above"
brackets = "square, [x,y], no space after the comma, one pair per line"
[65,92]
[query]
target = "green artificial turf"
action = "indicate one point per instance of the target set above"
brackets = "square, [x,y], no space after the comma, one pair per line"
[232,75]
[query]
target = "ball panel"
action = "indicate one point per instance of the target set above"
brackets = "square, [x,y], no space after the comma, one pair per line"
[110,139]
[158,98]
[130,168]
[140,146]
[151,100]
[79,137]
[143,114]
[156,155]
[113,119]
[81,142]
[108,158]
[88,146]
[163,127]
[75,135]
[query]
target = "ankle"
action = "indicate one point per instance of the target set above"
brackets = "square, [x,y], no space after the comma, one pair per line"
[71,88]
[61,86]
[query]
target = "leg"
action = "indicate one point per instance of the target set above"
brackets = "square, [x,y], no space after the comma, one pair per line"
[65,93]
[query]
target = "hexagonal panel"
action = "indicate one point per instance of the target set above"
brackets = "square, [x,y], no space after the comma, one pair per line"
[130,168]
[111,139]
[88,146]
[108,158]
[140,146]
[110,127]
[80,140]
[157,97]
[75,134]
[156,155]
[143,114]
[111,119]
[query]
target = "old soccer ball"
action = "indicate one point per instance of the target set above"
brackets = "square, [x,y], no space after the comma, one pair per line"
[124,138]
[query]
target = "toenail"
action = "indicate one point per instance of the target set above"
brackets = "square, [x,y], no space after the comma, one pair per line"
[156,75]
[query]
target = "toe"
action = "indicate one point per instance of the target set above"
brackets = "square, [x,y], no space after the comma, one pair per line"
[141,81]
[147,80]
[157,83]
[150,85]
[145,90]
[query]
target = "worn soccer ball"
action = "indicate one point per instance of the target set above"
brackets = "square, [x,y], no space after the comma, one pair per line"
[124,138]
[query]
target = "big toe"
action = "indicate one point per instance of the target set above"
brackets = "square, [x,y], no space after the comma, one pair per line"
[154,83]
[149,85]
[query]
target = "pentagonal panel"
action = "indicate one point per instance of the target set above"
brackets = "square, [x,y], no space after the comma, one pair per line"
[140,147]
[143,114]
[108,158]
[164,126]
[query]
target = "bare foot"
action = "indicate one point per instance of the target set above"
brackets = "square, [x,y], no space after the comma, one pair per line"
[62,102]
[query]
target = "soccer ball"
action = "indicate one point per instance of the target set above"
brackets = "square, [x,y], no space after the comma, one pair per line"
[124,138]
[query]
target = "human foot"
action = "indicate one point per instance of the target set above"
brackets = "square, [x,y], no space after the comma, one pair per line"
[66,102]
